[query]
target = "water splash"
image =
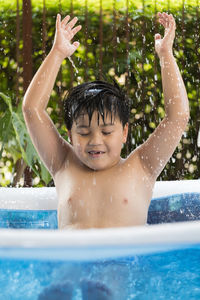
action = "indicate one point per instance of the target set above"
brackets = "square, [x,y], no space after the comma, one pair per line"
[76,70]
[81,203]
[73,65]
[198,139]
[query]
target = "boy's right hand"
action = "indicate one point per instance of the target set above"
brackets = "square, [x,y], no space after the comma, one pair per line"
[63,36]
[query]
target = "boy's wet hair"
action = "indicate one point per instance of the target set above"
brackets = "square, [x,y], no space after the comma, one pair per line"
[100,96]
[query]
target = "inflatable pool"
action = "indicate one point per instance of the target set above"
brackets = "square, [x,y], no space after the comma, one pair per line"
[158,261]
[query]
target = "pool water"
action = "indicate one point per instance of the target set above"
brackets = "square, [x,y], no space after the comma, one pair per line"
[170,275]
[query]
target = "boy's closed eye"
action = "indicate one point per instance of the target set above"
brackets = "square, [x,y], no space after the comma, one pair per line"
[84,130]
[88,133]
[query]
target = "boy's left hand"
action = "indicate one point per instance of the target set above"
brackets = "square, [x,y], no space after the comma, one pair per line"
[164,45]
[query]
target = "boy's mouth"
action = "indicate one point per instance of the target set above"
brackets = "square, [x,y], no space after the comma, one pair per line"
[96,153]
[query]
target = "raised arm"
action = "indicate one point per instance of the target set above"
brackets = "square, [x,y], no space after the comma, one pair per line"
[159,147]
[51,147]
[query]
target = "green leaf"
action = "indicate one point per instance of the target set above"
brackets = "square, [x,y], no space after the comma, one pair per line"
[6,128]
[22,136]
[26,147]
[7,101]
[45,174]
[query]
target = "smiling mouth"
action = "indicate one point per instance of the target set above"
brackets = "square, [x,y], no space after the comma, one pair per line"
[96,153]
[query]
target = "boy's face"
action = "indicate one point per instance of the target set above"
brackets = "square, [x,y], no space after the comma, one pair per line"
[98,146]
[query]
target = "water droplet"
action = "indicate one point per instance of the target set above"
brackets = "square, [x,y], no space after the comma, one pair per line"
[70,59]
[198,139]
[81,203]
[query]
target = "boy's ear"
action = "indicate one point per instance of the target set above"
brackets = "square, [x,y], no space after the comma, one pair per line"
[125,133]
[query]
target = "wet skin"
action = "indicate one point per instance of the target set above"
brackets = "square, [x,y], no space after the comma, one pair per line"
[96,187]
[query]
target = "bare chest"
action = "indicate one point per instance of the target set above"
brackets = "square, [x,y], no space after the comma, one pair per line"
[100,200]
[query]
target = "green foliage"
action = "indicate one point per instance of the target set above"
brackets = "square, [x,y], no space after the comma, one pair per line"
[23,145]
[144,84]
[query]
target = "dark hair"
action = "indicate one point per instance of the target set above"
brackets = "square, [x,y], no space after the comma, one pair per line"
[99,96]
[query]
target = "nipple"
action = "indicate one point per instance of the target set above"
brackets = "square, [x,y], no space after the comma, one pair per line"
[125,201]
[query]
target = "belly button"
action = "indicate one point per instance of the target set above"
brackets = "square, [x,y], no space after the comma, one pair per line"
[125,201]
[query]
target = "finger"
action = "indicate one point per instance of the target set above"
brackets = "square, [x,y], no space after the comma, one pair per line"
[162,22]
[172,21]
[72,22]
[164,19]
[58,23]
[157,36]
[76,29]
[166,16]
[161,15]
[65,20]
[76,44]
[172,26]
[71,33]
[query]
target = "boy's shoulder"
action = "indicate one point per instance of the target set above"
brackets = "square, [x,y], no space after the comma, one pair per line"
[131,163]
[127,169]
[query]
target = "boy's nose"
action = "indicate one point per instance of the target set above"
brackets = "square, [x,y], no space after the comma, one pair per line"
[95,139]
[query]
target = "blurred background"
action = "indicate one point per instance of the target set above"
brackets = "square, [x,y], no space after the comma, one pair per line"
[116,40]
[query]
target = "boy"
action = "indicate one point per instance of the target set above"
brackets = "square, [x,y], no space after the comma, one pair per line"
[97,188]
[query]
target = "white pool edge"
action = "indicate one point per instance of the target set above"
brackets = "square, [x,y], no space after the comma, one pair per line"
[168,233]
